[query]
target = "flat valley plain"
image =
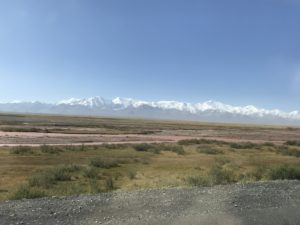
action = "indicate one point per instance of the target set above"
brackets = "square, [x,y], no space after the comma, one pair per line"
[44,155]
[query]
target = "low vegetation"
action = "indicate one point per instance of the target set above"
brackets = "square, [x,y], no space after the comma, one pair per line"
[50,149]
[104,163]
[220,174]
[200,141]
[50,177]
[246,145]
[91,172]
[284,172]
[22,129]
[293,142]
[206,149]
[27,192]
[22,150]
[34,172]
[157,148]
[286,150]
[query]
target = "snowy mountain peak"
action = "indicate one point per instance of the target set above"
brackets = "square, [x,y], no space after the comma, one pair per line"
[208,106]
[206,111]
[90,102]
[129,102]
[122,101]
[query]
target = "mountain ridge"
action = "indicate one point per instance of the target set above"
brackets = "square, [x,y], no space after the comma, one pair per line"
[212,111]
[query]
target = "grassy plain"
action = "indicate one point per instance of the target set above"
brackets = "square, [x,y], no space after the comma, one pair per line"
[69,170]
[108,125]
[241,153]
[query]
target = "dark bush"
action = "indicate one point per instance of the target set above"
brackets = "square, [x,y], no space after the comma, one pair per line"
[269,144]
[80,148]
[144,147]
[104,163]
[26,192]
[114,146]
[198,181]
[246,145]
[43,179]
[209,150]
[109,184]
[22,150]
[258,173]
[285,172]
[293,142]
[200,141]
[50,149]
[91,172]
[50,177]
[286,150]
[171,148]
[131,175]
[220,175]
[21,129]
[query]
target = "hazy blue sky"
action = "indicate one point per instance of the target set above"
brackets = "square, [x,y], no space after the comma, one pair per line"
[238,52]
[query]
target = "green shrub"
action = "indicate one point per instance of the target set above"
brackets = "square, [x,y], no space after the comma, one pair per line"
[114,146]
[178,149]
[22,150]
[109,184]
[200,141]
[61,174]
[293,142]
[50,177]
[157,148]
[220,175]
[284,172]
[246,145]
[258,173]
[82,148]
[21,129]
[144,147]
[74,148]
[94,186]
[50,149]
[91,172]
[269,144]
[104,163]
[221,160]
[26,192]
[286,150]
[171,148]
[42,179]
[71,168]
[209,150]
[132,175]
[198,181]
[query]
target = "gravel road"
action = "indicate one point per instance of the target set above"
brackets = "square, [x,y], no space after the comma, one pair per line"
[262,203]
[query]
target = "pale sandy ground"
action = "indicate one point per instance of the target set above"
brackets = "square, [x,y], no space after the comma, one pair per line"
[35,139]
[230,135]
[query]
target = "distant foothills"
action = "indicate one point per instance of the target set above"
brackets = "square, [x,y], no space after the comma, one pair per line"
[209,111]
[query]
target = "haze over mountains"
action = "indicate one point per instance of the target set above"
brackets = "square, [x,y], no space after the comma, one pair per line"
[209,111]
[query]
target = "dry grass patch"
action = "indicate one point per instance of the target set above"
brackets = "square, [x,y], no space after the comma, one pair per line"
[128,167]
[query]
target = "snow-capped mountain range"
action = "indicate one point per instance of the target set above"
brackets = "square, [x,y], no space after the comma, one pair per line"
[126,107]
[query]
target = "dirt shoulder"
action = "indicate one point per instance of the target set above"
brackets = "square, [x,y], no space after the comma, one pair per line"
[268,203]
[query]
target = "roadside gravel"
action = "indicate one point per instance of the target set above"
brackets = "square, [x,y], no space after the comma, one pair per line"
[265,203]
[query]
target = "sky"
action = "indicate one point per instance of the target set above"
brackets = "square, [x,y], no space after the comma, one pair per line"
[235,51]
